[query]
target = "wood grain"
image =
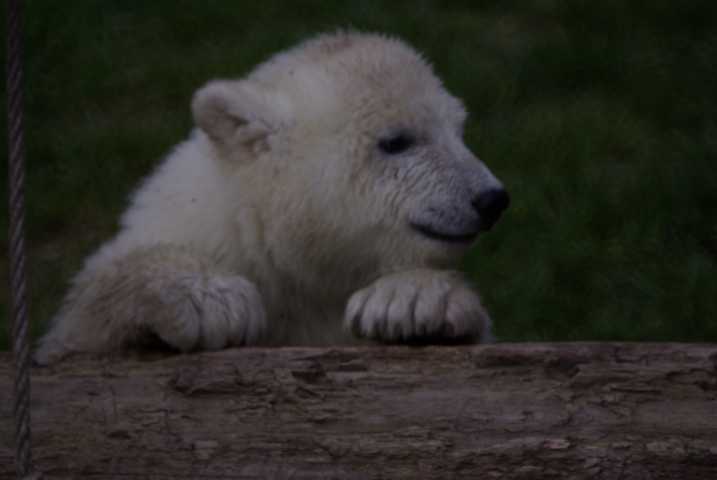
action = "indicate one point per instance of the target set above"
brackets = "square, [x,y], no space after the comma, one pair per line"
[506,411]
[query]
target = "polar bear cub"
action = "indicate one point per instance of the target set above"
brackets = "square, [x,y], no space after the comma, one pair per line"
[330,183]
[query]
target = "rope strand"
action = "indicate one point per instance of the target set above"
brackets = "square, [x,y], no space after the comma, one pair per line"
[18,292]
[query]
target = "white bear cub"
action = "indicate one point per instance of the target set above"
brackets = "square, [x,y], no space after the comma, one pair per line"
[326,196]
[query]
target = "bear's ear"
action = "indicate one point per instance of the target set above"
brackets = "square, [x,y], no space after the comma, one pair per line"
[236,114]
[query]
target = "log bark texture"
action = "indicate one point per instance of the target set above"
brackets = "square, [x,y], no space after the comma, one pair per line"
[508,411]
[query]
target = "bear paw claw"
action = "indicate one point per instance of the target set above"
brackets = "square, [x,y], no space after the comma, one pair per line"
[423,307]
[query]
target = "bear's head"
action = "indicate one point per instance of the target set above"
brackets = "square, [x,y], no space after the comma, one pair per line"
[355,157]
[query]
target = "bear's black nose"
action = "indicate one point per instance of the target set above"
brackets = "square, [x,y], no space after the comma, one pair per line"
[490,204]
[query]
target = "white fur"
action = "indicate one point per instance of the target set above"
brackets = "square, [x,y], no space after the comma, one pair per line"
[280,207]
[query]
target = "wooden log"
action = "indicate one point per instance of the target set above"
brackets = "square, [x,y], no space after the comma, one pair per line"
[506,411]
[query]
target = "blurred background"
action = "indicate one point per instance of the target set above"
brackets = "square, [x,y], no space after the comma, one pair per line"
[598,116]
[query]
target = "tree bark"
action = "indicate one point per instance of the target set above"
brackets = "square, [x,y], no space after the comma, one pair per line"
[508,411]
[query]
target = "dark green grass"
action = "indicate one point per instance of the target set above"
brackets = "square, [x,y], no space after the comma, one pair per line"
[598,116]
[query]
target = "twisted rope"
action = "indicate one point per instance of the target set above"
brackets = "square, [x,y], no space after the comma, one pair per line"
[18,294]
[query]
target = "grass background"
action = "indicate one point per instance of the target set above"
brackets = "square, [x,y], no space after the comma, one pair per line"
[598,116]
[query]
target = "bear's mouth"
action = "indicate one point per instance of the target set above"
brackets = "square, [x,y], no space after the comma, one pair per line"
[433,234]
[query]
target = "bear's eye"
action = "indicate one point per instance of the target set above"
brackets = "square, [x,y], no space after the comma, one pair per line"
[396,144]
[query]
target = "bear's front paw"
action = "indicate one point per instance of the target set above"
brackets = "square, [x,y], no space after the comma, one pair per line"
[209,313]
[421,306]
